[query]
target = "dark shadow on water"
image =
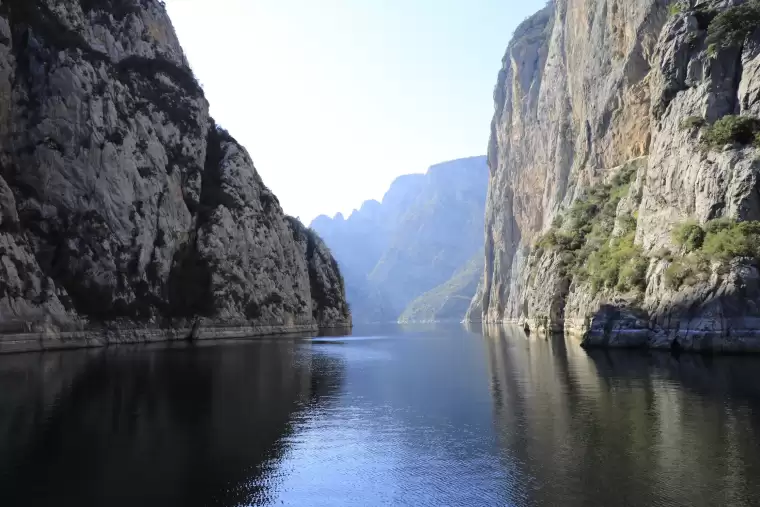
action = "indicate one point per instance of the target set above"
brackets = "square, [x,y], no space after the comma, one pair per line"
[624,427]
[188,425]
[721,377]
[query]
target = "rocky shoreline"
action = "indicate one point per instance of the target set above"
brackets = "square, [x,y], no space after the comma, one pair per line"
[700,335]
[48,340]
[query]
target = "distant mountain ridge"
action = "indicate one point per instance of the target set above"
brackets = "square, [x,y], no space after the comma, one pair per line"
[425,230]
[450,300]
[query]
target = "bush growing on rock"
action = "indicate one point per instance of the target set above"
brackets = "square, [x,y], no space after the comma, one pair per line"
[692,122]
[718,224]
[689,235]
[618,264]
[676,8]
[689,270]
[731,129]
[633,274]
[739,239]
[720,240]
[732,26]
[593,214]
[583,236]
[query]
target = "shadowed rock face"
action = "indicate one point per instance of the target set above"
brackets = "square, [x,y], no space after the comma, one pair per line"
[589,90]
[121,201]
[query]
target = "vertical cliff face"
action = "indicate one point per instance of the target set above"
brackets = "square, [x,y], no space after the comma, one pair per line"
[122,201]
[619,125]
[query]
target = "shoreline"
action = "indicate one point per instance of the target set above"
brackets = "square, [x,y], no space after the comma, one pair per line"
[738,340]
[19,343]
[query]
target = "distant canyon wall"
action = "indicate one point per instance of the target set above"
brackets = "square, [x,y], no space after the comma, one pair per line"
[411,253]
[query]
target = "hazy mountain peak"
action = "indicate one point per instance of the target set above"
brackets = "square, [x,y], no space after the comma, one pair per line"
[426,228]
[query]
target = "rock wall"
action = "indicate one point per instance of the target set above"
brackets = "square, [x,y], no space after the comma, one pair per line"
[591,89]
[124,207]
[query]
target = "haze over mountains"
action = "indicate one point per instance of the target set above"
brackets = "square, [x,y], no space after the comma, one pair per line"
[416,246]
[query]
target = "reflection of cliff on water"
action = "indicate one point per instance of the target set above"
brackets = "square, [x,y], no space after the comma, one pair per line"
[622,427]
[197,425]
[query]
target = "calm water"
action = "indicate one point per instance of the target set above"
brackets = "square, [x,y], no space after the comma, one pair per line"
[395,417]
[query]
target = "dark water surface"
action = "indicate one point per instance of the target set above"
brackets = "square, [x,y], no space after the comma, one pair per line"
[392,417]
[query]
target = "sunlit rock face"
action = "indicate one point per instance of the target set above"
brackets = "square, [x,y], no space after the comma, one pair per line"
[596,92]
[126,213]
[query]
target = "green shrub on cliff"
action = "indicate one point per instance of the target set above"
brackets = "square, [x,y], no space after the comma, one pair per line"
[618,264]
[692,122]
[720,240]
[583,235]
[689,235]
[633,274]
[688,270]
[591,215]
[676,8]
[739,239]
[718,224]
[731,129]
[732,26]
[561,240]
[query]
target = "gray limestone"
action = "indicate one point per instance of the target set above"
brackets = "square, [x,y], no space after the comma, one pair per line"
[124,209]
[588,87]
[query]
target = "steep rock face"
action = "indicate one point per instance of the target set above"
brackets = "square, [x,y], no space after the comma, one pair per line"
[122,201]
[592,90]
[426,229]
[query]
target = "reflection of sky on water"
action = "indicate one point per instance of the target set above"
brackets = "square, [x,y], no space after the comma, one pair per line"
[401,416]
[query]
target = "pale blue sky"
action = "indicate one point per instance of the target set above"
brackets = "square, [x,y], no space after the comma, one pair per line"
[335,98]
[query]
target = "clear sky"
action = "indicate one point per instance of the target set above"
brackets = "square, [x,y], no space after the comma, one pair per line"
[335,98]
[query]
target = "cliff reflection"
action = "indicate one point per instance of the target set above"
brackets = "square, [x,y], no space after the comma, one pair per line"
[624,427]
[198,425]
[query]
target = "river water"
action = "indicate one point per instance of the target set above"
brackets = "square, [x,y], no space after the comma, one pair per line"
[390,416]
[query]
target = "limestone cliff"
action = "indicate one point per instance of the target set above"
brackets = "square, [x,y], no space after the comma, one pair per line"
[125,212]
[624,201]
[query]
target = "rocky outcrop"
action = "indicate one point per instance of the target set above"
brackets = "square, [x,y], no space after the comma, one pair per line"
[127,214]
[618,126]
[420,237]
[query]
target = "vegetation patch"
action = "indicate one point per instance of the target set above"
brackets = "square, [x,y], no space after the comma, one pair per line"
[731,129]
[718,241]
[687,271]
[727,239]
[583,235]
[618,264]
[692,122]
[731,26]
[676,8]
[689,235]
